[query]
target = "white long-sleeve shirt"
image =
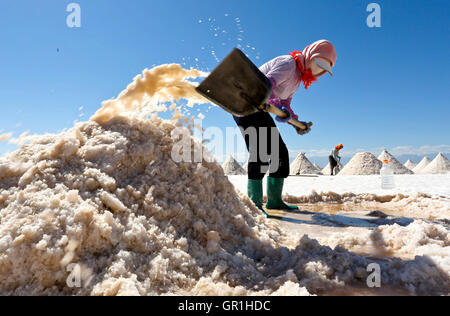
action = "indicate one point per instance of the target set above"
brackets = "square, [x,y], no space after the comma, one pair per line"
[285,76]
[284,71]
[335,155]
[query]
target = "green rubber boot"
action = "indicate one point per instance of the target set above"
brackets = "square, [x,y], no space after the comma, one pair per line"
[274,195]
[255,193]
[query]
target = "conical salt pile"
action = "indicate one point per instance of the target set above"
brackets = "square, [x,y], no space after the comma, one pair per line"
[422,165]
[327,169]
[362,164]
[232,168]
[440,165]
[396,165]
[302,165]
[410,165]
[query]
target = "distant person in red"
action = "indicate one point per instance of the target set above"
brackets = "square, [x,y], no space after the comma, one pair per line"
[335,159]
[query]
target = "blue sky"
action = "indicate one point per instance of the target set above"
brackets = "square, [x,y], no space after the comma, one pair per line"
[390,89]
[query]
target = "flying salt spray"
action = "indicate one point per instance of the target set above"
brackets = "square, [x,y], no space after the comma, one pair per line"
[149,92]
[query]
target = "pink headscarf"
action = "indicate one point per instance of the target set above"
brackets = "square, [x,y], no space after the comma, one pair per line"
[322,48]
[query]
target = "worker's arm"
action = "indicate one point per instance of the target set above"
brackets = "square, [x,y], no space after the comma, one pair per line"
[279,71]
[284,105]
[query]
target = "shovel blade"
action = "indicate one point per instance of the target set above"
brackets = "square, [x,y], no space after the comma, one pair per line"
[236,85]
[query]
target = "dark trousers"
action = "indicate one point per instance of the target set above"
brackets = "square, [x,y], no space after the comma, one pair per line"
[267,150]
[333,164]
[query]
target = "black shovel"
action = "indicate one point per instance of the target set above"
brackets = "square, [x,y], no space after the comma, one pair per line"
[240,88]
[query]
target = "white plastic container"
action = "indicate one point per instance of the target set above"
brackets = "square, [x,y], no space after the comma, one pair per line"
[387,176]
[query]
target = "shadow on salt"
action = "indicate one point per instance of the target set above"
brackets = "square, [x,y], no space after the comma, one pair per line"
[338,220]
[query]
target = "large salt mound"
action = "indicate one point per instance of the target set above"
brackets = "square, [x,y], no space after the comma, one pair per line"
[111,199]
[440,165]
[362,164]
[302,165]
[232,167]
[410,165]
[396,165]
[422,165]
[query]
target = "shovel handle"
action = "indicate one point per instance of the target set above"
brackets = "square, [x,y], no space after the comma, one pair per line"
[274,110]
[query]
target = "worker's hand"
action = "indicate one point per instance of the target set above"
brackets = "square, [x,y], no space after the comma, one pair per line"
[303,131]
[284,119]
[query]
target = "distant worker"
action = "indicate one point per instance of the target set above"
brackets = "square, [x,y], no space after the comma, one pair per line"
[335,159]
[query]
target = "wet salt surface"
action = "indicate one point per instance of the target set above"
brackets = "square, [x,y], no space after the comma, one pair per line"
[385,226]
[319,221]
[416,196]
[338,222]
